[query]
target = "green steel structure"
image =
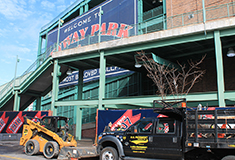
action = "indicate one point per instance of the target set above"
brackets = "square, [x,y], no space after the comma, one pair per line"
[171,39]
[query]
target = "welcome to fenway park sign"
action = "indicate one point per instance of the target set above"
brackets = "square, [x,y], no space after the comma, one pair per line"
[113,22]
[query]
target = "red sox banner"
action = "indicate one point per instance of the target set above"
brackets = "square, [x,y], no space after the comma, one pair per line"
[124,117]
[12,122]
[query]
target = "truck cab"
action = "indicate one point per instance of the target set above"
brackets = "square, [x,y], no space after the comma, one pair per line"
[147,138]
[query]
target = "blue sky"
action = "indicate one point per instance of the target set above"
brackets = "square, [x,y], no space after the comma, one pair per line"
[20,24]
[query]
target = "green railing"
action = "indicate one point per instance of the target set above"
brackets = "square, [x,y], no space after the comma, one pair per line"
[155,24]
[16,82]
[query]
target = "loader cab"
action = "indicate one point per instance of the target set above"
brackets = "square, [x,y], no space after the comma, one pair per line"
[55,123]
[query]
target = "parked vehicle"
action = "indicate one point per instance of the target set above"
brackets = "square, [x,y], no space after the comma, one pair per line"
[183,134]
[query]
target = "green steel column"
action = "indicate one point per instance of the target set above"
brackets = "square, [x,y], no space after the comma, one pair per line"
[86,7]
[204,11]
[140,11]
[78,108]
[38,104]
[16,101]
[81,10]
[40,46]
[55,86]
[102,79]
[100,23]
[220,69]
[164,15]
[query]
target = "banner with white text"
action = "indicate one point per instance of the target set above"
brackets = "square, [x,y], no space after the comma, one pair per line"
[112,19]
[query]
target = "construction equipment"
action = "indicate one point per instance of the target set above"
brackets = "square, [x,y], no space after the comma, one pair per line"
[52,136]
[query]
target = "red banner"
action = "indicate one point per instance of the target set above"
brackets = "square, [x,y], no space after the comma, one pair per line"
[15,125]
[126,120]
[3,121]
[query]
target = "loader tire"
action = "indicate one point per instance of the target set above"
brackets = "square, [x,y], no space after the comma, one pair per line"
[230,157]
[109,153]
[51,149]
[31,147]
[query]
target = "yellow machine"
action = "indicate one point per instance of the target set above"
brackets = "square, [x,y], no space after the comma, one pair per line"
[51,136]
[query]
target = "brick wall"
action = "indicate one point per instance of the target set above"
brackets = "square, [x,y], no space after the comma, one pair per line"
[174,8]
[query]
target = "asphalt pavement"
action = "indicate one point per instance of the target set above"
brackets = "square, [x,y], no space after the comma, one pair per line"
[11,150]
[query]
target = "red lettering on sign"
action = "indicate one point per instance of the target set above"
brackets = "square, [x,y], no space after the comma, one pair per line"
[94,28]
[83,32]
[124,31]
[112,28]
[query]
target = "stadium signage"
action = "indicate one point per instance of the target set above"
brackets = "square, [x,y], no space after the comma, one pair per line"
[114,22]
[93,74]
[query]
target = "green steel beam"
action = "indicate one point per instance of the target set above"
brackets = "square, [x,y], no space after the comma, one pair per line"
[39,45]
[78,123]
[229,95]
[55,86]
[102,79]
[77,103]
[38,104]
[219,68]
[33,76]
[79,109]
[227,32]
[140,46]
[79,57]
[86,7]
[164,15]
[165,62]
[140,11]
[81,10]
[16,101]
[158,43]
[141,100]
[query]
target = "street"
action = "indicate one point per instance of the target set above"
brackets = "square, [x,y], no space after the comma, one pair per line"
[11,150]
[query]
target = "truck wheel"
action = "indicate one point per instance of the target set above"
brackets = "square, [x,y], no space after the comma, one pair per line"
[31,147]
[109,153]
[51,149]
[230,157]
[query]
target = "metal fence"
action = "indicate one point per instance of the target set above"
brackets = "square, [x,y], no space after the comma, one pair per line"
[156,23]
[16,82]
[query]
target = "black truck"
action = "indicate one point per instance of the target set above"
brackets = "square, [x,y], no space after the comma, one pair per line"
[183,134]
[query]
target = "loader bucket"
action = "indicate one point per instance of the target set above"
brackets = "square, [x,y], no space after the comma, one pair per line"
[67,153]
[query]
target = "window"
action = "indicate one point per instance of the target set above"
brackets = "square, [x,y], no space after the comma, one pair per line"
[144,126]
[166,126]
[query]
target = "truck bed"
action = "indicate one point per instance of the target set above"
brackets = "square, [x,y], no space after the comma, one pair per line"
[210,128]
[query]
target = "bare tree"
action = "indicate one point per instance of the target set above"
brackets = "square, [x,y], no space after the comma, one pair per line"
[170,79]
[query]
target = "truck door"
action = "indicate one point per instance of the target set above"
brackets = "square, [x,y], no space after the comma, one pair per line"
[167,139]
[138,141]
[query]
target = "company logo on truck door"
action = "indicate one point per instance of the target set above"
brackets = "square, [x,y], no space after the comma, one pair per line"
[139,140]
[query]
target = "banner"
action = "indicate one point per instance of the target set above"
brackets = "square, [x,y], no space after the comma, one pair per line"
[124,117]
[112,18]
[92,75]
[12,122]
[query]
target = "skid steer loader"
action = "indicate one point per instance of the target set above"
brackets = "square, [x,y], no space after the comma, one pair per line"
[52,136]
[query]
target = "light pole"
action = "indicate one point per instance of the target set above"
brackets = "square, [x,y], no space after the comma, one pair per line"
[17,60]
[58,35]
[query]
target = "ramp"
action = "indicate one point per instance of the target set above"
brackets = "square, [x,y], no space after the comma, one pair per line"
[33,84]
